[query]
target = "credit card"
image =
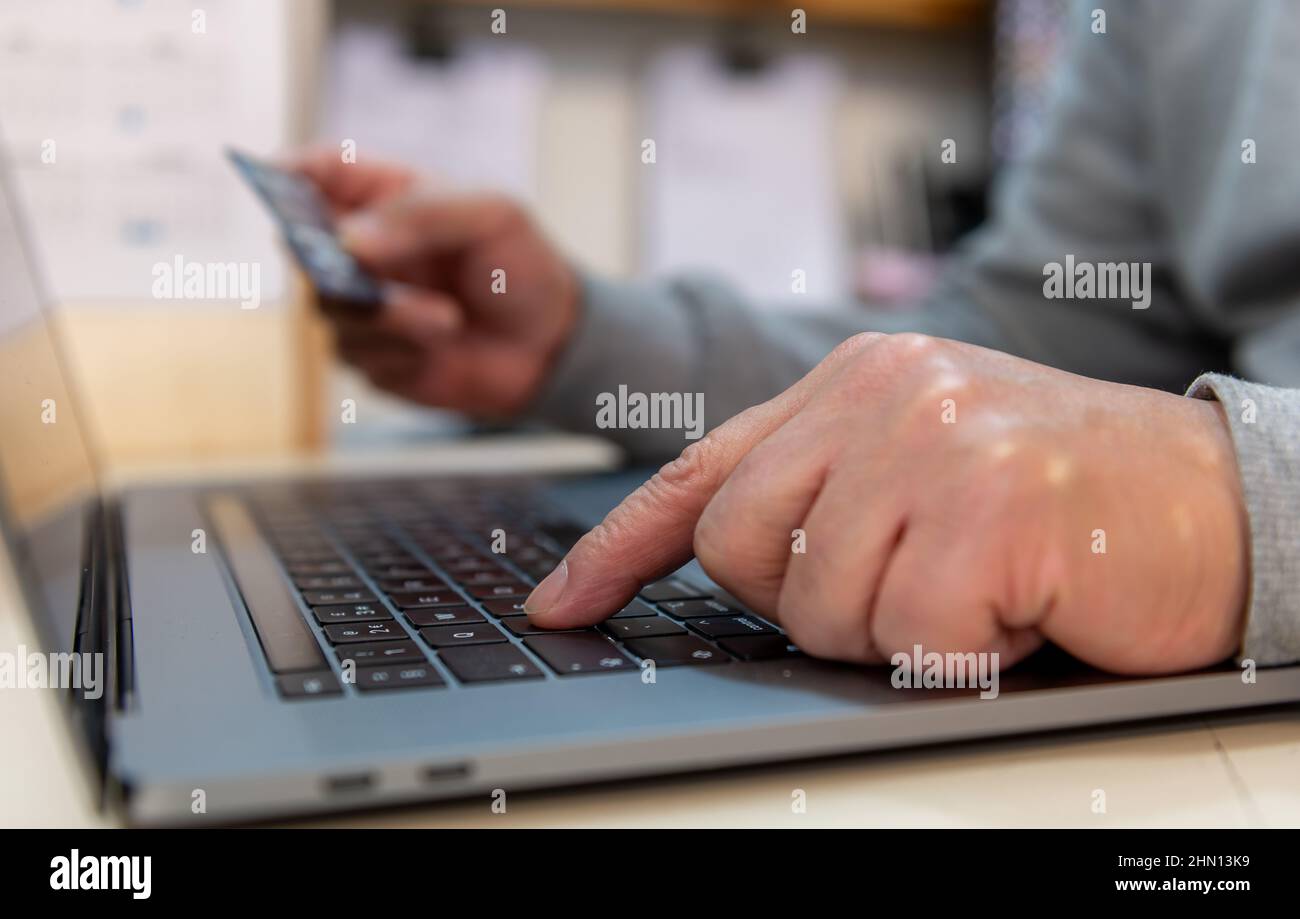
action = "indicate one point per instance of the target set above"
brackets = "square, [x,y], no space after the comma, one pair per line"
[304,221]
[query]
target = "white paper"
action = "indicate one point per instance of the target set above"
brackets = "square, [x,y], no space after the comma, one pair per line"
[471,120]
[136,103]
[743,178]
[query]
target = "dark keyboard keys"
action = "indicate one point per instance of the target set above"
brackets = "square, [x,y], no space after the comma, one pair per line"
[695,609]
[671,589]
[381,652]
[402,572]
[316,569]
[673,650]
[634,610]
[397,676]
[442,615]
[504,608]
[424,599]
[521,625]
[400,560]
[413,585]
[760,647]
[486,579]
[308,556]
[645,627]
[579,652]
[350,612]
[306,685]
[496,591]
[450,636]
[331,597]
[485,663]
[327,582]
[468,566]
[727,626]
[365,631]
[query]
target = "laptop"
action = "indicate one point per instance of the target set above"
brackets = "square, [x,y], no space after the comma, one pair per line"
[309,644]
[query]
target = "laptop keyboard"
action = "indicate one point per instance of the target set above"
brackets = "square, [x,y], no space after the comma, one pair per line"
[401,582]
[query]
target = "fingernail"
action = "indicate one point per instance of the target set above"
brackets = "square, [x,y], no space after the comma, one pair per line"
[547,594]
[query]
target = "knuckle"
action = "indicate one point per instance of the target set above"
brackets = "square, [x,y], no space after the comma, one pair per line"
[910,349]
[854,345]
[692,468]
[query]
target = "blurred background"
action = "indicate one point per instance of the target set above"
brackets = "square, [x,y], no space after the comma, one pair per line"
[815,138]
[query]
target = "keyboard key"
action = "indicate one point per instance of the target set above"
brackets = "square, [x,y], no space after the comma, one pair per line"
[389,560]
[671,589]
[469,565]
[414,585]
[727,626]
[397,676]
[442,615]
[643,627]
[420,599]
[676,649]
[350,612]
[450,636]
[381,652]
[365,631]
[305,685]
[531,555]
[403,572]
[521,625]
[579,652]
[311,569]
[331,597]
[635,609]
[484,663]
[504,608]
[486,578]
[695,609]
[326,582]
[508,589]
[760,647]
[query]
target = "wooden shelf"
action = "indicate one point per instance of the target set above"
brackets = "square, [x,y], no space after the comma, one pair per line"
[905,13]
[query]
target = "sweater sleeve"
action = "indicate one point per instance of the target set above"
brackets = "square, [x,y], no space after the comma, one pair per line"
[1085,192]
[1265,424]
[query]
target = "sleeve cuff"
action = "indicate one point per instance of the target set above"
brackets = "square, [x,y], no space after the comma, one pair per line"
[1265,425]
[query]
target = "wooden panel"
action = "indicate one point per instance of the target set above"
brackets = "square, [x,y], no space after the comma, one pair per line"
[194,383]
[42,456]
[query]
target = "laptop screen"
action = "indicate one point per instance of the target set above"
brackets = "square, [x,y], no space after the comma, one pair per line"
[47,474]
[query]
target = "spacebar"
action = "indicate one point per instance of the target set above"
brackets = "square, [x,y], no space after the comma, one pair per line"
[288,643]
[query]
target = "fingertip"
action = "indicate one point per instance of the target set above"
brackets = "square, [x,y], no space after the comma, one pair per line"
[546,596]
[362,234]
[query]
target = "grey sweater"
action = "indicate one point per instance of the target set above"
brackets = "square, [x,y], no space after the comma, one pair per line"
[1143,160]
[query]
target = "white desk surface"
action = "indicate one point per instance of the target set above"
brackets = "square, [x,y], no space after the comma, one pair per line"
[1232,771]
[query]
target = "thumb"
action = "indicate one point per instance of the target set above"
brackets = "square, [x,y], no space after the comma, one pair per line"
[650,534]
[424,222]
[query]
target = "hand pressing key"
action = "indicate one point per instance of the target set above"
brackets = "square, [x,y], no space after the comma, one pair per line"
[1036,505]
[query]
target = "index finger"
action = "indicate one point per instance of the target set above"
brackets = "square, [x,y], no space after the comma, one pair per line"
[651,532]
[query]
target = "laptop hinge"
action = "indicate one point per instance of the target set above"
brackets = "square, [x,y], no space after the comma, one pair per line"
[99,629]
